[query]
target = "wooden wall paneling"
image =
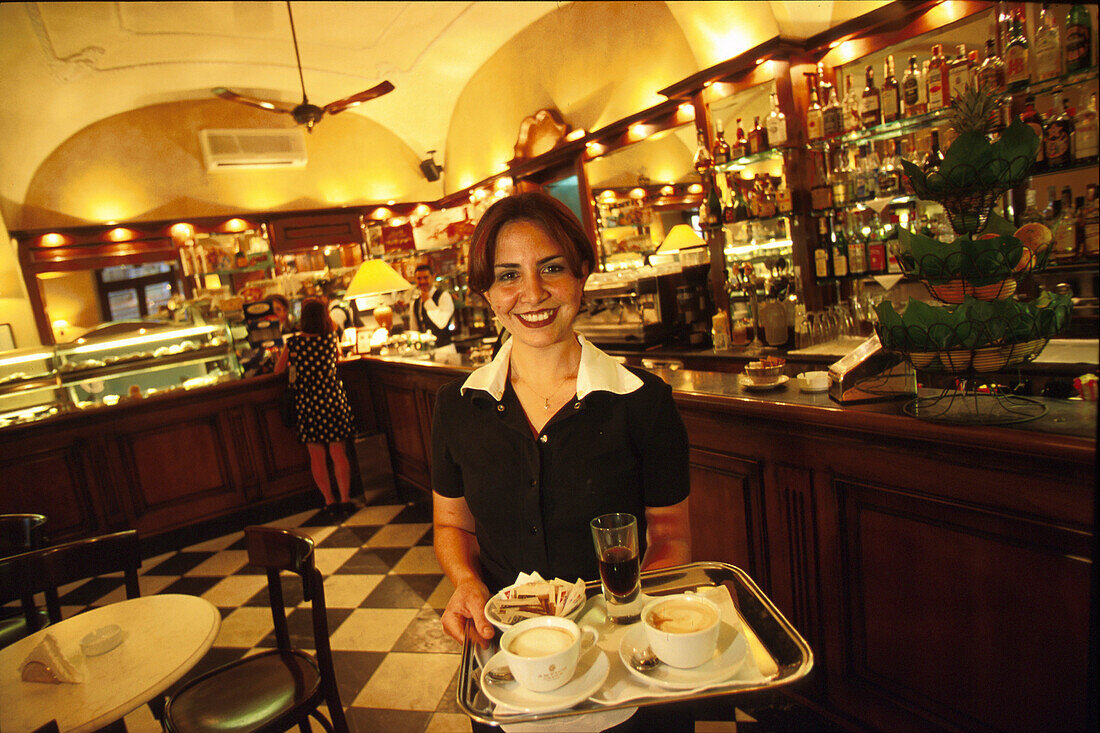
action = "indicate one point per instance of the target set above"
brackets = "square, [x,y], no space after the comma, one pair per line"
[727,515]
[244,453]
[50,480]
[292,233]
[959,615]
[407,446]
[285,461]
[790,516]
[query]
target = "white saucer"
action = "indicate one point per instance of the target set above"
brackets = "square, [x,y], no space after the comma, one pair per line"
[591,672]
[728,657]
[749,384]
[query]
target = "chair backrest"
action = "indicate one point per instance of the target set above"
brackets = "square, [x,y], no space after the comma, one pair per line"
[276,549]
[21,532]
[44,570]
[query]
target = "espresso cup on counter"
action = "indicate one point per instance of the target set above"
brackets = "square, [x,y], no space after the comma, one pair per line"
[542,652]
[682,630]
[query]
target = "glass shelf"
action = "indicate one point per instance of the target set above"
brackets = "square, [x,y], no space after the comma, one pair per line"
[1066,80]
[1064,169]
[764,156]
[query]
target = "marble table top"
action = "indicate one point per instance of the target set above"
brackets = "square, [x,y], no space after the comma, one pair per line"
[164,636]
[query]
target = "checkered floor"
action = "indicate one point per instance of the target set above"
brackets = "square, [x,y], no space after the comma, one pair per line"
[397,671]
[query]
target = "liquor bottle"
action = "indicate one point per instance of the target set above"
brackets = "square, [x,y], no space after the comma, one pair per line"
[871,104]
[1048,47]
[889,180]
[852,118]
[839,257]
[821,191]
[840,176]
[857,256]
[1065,243]
[768,205]
[958,73]
[1056,139]
[713,218]
[776,125]
[914,95]
[721,152]
[741,147]
[702,162]
[1092,222]
[938,79]
[973,62]
[1017,55]
[740,204]
[814,116]
[891,93]
[935,157]
[871,165]
[1084,133]
[784,203]
[755,133]
[1078,39]
[1031,211]
[833,115]
[876,251]
[1054,204]
[822,261]
[1031,118]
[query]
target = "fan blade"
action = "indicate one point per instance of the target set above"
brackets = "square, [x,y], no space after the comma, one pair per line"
[269,105]
[374,92]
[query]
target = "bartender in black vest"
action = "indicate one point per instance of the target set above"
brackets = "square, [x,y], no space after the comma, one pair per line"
[434,309]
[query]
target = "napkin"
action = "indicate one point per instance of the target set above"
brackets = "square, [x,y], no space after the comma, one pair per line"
[622,686]
[46,663]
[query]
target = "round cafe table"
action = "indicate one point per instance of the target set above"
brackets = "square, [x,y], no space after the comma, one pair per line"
[164,636]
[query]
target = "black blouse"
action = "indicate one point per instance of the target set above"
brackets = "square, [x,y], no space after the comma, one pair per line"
[532,498]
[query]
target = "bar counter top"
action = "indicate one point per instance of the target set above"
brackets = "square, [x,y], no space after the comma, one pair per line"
[1064,419]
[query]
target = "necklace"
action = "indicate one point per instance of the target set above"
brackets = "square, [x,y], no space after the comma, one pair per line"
[545,399]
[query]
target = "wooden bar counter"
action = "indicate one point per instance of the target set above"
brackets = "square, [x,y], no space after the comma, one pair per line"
[940,573]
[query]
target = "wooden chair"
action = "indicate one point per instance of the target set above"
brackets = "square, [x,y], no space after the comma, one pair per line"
[44,570]
[272,690]
[19,533]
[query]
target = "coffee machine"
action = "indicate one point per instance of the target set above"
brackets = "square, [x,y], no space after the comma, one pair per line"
[633,308]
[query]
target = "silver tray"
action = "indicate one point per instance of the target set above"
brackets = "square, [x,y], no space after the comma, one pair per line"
[788,650]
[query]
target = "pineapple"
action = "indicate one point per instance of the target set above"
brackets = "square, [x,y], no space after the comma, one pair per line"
[975,109]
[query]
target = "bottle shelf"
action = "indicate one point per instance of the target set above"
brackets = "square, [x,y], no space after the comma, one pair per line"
[1036,88]
[763,156]
[1064,169]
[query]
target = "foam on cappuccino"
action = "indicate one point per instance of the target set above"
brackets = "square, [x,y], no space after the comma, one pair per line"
[682,617]
[540,642]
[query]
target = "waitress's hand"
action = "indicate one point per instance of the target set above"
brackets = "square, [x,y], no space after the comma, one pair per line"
[468,602]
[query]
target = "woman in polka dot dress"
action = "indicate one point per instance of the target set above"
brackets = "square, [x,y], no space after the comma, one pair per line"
[324,416]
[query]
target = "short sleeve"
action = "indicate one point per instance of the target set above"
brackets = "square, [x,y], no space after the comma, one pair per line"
[446,475]
[662,443]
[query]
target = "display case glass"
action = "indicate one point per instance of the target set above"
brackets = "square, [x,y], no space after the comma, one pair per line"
[132,360]
[29,388]
[114,363]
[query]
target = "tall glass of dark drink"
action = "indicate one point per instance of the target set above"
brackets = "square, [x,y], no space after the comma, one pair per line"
[616,539]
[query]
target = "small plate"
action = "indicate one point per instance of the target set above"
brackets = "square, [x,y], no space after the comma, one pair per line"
[494,619]
[592,669]
[749,384]
[728,657]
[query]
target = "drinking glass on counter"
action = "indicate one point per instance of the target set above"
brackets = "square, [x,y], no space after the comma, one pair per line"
[616,539]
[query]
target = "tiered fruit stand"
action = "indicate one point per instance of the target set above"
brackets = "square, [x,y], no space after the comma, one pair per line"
[980,328]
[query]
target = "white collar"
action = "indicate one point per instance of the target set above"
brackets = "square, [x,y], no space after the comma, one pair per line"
[597,372]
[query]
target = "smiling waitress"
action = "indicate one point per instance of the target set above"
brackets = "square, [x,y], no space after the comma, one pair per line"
[553,432]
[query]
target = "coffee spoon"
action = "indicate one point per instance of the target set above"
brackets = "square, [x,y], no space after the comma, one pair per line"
[644,660]
[500,675]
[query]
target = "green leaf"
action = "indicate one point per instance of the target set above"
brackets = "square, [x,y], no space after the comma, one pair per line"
[997,224]
[969,153]
[916,178]
[1017,145]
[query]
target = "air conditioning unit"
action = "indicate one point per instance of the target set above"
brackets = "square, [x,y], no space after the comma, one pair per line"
[224,150]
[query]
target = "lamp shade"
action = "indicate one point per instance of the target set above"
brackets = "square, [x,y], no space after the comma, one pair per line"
[375,277]
[681,237]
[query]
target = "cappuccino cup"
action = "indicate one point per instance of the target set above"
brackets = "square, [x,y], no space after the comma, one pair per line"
[543,652]
[682,630]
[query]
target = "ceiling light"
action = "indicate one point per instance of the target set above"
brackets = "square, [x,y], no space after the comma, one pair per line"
[695,188]
[637,193]
[668,190]
[381,213]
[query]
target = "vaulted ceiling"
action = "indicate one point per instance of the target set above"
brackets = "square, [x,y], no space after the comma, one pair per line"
[66,66]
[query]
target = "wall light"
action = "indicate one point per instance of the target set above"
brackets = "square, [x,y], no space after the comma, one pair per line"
[422,210]
[53,239]
[695,188]
[668,190]
[120,234]
[638,131]
[504,182]
[576,134]
[381,213]
[182,231]
[637,193]
[686,111]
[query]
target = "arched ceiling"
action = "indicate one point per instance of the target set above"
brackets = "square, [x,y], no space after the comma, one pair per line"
[68,65]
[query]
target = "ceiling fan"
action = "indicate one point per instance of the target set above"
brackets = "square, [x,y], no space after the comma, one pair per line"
[305,113]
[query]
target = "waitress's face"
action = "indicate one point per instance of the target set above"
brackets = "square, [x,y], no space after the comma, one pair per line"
[534,294]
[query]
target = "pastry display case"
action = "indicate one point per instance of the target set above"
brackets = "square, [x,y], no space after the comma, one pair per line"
[29,386]
[132,360]
[114,363]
